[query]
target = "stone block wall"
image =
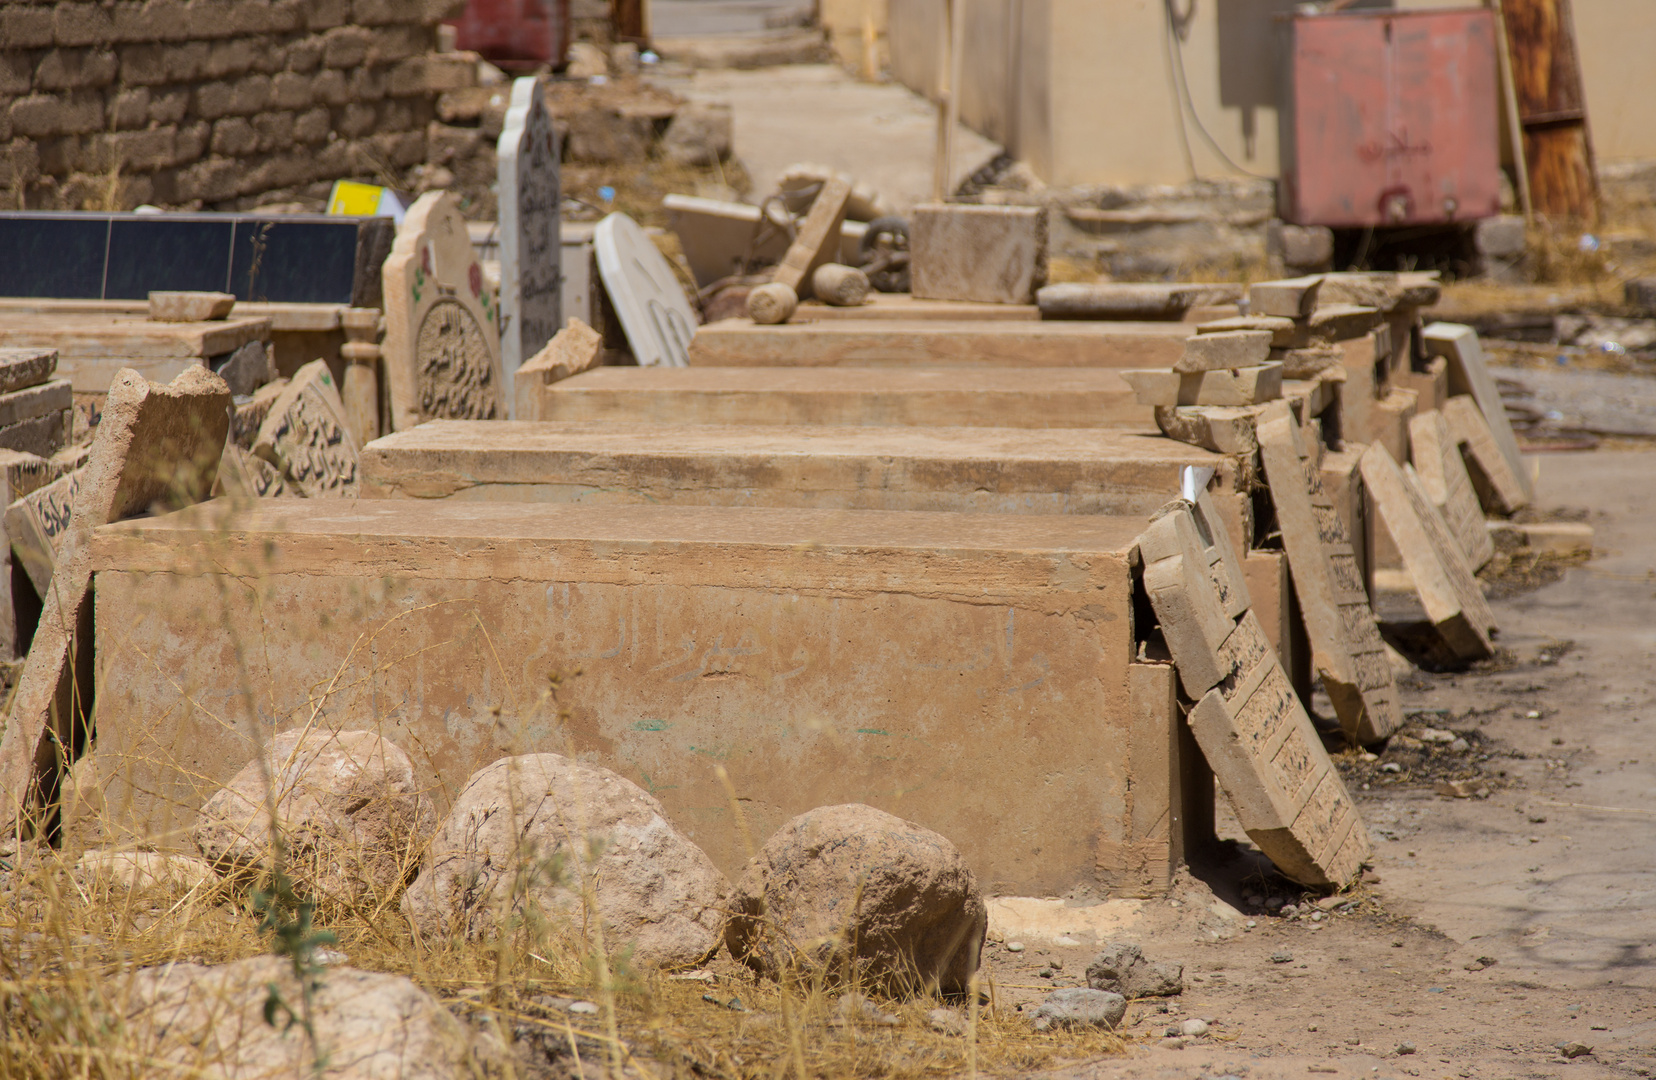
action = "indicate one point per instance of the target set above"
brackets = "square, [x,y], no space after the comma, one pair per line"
[107,104]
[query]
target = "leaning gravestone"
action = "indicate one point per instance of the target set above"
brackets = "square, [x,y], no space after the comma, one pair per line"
[530,279]
[307,438]
[652,307]
[1437,459]
[1346,646]
[442,346]
[36,525]
[156,446]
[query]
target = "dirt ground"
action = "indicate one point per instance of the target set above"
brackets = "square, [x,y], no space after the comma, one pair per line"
[1501,925]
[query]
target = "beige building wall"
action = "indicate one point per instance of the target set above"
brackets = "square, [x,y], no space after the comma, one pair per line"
[1086,90]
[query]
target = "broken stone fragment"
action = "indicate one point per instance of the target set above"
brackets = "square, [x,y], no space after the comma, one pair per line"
[1121,968]
[1078,1006]
[1291,298]
[1224,430]
[1281,330]
[23,368]
[1224,350]
[190,307]
[1241,386]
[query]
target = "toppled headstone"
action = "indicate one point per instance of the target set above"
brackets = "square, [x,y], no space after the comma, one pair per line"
[1442,579]
[1436,456]
[1238,386]
[352,822]
[1220,350]
[1292,298]
[247,368]
[657,892]
[36,525]
[530,277]
[1251,727]
[241,475]
[26,473]
[156,446]
[1078,1006]
[991,254]
[442,350]
[818,241]
[1346,646]
[306,437]
[772,303]
[843,887]
[1468,375]
[1500,489]
[190,306]
[1121,968]
[572,350]
[654,313]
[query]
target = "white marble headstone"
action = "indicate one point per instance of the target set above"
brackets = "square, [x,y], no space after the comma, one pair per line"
[648,299]
[530,253]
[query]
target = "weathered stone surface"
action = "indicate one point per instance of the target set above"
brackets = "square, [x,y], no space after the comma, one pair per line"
[1310,362]
[350,815]
[1222,429]
[42,399]
[701,133]
[41,436]
[572,350]
[143,870]
[1347,650]
[941,343]
[188,307]
[441,352]
[818,239]
[658,893]
[156,446]
[1121,968]
[1500,490]
[1334,323]
[839,286]
[210,1022]
[1242,386]
[1292,298]
[36,525]
[1219,350]
[1281,330]
[26,473]
[20,368]
[531,304]
[1078,1006]
[996,254]
[844,887]
[1469,375]
[305,436]
[772,303]
[645,292]
[1442,579]
[247,369]
[1123,300]
[244,476]
[1437,459]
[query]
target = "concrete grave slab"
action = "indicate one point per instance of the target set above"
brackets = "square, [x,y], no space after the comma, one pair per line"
[156,445]
[25,473]
[1239,386]
[1251,727]
[1499,488]
[34,402]
[531,307]
[91,348]
[1222,429]
[1442,579]
[1442,473]
[992,254]
[879,343]
[305,436]
[818,657]
[654,313]
[441,354]
[1347,650]
[1123,300]
[1389,418]
[982,470]
[905,307]
[818,240]
[1468,374]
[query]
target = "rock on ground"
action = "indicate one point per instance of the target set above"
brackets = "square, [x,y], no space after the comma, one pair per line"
[840,874]
[1121,968]
[347,806]
[508,845]
[210,1022]
[1079,1006]
[143,870]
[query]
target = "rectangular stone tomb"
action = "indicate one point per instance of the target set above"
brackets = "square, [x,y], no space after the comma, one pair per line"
[985,470]
[92,348]
[989,397]
[971,673]
[884,343]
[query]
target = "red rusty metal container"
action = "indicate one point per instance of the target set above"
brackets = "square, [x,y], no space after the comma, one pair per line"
[1391,118]
[515,34]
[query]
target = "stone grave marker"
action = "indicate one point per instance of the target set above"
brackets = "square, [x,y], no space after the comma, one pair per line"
[1346,647]
[306,437]
[530,251]
[1500,488]
[1251,727]
[654,312]
[1442,579]
[36,525]
[156,445]
[242,475]
[1468,375]
[1443,473]
[441,354]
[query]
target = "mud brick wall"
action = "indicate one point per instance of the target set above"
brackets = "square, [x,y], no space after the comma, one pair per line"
[106,104]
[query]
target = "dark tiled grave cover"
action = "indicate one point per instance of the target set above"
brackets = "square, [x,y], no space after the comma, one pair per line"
[289,259]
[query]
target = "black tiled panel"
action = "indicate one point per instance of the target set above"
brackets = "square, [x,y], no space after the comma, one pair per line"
[59,255]
[164,253]
[304,262]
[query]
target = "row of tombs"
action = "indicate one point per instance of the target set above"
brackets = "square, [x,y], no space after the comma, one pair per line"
[1038,586]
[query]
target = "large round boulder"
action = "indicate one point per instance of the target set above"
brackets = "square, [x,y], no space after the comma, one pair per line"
[187,1019]
[352,820]
[844,886]
[522,836]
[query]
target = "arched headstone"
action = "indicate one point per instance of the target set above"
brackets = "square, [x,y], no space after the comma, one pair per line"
[646,294]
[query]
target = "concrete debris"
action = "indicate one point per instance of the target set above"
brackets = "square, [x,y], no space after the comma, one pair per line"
[1122,968]
[1468,374]
[1222,430]
[1293,298]
[189,307]
[1219,350]
[1076,1007]
[991,254]
[851,888]
[1121,300]
[1233,387]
